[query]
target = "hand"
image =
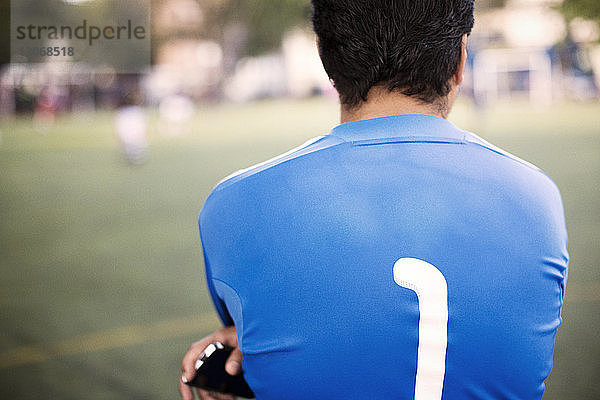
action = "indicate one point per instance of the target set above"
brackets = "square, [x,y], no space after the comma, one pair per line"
[233,366]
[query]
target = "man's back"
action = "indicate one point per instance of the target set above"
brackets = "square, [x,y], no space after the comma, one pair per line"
[303,254]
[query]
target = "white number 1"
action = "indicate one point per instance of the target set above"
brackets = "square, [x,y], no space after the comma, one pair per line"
[432,292]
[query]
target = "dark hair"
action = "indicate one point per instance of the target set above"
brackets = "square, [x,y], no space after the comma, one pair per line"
[410,46]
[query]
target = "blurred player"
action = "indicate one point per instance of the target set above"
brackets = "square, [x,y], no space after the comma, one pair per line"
[398,256]
[46,105]
[130,124]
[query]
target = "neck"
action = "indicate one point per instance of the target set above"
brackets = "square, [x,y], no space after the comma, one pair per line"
[381,102]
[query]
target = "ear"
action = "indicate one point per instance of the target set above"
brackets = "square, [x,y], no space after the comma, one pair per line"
[460,71]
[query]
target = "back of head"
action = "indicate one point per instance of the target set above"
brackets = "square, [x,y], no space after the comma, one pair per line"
[413,46]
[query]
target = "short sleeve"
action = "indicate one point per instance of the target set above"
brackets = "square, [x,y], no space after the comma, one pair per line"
[217,301]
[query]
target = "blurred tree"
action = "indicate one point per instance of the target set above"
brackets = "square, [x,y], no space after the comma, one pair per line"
[482,5]
[4,32]
[589,9]
[265,21]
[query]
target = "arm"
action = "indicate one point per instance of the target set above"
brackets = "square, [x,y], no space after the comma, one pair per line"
[226,335]
[218,303]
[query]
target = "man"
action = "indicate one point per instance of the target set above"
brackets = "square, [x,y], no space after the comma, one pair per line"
[397,257]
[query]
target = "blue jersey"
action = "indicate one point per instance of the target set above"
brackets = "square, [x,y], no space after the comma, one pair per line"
[393,258]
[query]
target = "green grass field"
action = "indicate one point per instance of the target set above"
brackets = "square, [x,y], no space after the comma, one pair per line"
[102,286]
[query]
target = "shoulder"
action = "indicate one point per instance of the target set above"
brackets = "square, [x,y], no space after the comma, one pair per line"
[312,145]
[228,185]
[524,167]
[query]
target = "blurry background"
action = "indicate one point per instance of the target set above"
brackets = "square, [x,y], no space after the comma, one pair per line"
[102,176]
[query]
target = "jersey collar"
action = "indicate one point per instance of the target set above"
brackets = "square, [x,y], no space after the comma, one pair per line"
[401,127]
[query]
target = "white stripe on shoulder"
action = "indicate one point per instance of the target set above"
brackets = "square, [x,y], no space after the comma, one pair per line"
[271,160]
[482,142]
